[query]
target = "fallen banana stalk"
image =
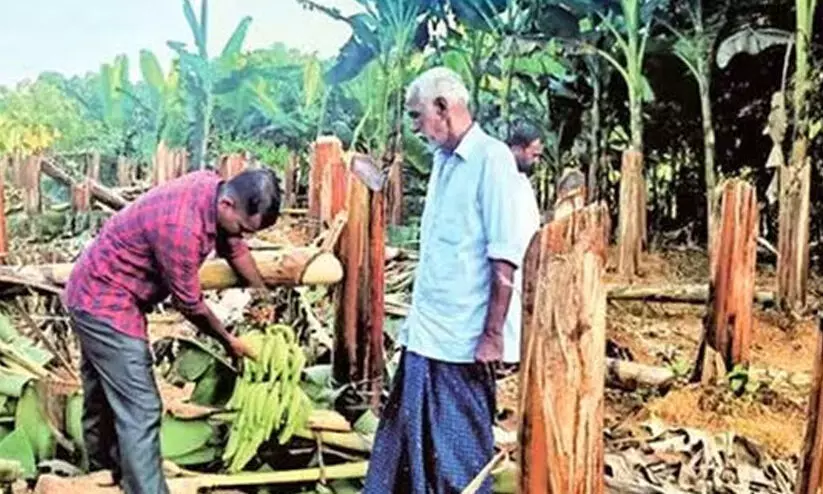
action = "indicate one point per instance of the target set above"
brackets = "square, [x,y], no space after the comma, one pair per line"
[286,267]
[353,441]
[209,481]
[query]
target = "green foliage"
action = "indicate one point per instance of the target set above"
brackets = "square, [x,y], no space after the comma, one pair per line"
[204,78]
[39,115]
[31,419]
[16,447]
[183,437]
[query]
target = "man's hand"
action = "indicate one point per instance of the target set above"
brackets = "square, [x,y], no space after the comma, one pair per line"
[489,349]
[490,346]
[240,349]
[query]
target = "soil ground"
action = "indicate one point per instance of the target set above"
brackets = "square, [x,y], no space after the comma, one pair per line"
[772,413]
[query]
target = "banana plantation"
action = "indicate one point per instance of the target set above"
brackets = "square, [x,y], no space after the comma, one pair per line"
[670,335]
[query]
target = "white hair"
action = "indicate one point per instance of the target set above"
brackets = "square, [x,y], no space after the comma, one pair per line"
[439,82]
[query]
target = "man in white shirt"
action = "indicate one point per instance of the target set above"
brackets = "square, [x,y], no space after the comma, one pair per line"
[526,146]
[435,433]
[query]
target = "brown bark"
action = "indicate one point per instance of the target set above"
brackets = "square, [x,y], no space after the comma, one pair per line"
[80,196]
[31,184]
[727,337]
[810,474]
[358,342]
[632,220]
[124,171]
[793,230]
[290,182]
[103,194]
[288,267]
[232,164]
[563,356]
[328,159]
[327,150]
[168,164]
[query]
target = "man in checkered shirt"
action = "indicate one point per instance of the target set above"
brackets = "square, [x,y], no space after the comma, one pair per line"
[150,250]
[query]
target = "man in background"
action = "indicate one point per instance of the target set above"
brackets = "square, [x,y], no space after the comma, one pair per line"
[435,433]
[527,147]
[145,252]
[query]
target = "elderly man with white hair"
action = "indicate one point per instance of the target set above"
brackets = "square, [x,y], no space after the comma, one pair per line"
[435,433]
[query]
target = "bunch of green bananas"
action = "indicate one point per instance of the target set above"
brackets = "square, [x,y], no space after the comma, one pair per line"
[267,396]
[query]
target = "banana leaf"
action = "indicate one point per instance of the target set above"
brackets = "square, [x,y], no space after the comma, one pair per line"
[192,363]
[16,447]
[74,426]
[25,346]
[11,384]
[183,437]
[214,388]
[206,454]
[751,41]
[30,418]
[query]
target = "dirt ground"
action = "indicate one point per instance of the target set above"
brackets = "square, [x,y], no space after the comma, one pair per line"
[772,411]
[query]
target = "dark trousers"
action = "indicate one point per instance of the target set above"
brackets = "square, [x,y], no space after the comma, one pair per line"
[121,406]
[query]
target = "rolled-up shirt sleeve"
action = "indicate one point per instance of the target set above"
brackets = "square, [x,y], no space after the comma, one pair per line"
[176,250]
[499,207]
[230,247]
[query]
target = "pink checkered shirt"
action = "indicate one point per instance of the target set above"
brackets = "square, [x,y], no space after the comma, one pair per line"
[151,249]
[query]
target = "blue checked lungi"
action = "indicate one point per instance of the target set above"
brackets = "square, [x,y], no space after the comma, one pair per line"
[435,433]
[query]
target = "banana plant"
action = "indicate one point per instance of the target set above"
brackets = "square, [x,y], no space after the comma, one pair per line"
[205,77]
[110,105]
[387,35]
[695,48]
[164,99]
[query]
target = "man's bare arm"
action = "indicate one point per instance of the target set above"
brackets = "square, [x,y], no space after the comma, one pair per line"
[490,347]
[245,266]
[206,322]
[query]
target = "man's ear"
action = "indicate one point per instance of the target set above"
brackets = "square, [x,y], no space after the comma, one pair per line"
[441,105]
[227,201]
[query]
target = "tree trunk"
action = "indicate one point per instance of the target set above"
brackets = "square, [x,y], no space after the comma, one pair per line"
[793,257]
[124,171]
[395,192]
[727,335]
[288,267]
[593,185]
[793,241]
[358,335]
[93,166]
[169,164]
[708,153]
[4,241]
[327,153]
[335,184]
[563,369]
[290,182]
[810,474]
[232,164]
[99,192]
[31,184]
[632,215]
[690,294]
[81,197]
